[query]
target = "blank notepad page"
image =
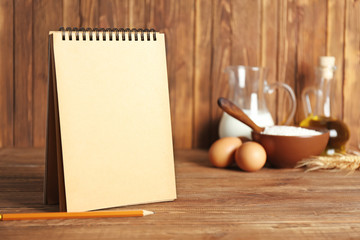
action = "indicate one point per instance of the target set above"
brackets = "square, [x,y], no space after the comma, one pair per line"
[114,121]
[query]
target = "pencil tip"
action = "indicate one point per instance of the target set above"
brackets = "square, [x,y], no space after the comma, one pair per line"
[145,212]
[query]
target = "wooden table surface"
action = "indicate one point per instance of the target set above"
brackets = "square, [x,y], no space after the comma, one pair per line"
[212,203]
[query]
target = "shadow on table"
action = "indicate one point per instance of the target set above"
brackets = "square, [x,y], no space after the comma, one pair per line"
[25,194]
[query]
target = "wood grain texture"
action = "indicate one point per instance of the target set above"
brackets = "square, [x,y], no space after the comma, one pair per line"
[43,23]
[23,75]
[6,73]
[335,47]
[114,13]
[202,39]
[202,74]
[311,45]
[289,17]
[71,13]
[246,32]
[221,58]
[89,13]
[137,13]
[352,65]
[212,204]
[269,49]
[176,19]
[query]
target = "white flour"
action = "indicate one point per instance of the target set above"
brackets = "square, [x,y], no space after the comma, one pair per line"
[289,131]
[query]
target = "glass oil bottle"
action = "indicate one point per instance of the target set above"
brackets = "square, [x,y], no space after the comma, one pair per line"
[322,114]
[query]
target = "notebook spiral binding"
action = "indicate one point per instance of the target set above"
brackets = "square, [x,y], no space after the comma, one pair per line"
[114,34]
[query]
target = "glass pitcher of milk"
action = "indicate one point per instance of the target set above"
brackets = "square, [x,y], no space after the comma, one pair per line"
[248,88]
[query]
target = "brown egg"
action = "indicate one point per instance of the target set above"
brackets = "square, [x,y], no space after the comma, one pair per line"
[221,152]
[251,156]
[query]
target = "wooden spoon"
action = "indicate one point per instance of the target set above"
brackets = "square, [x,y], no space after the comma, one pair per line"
[237,113]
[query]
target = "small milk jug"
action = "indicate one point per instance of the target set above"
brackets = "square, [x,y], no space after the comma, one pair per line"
[247,89]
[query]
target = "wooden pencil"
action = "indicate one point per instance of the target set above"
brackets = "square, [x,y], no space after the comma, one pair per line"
[72,215]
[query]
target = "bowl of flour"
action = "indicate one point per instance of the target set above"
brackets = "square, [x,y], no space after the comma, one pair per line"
[286,145]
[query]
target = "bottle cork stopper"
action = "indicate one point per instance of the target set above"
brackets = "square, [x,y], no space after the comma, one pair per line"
[327,61]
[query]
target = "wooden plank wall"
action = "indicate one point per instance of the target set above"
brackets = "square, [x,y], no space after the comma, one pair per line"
[203,37]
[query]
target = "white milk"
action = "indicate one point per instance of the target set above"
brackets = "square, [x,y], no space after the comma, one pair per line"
[231,127]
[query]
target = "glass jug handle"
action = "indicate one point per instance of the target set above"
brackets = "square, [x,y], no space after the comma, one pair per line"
[306,100]
[287,88]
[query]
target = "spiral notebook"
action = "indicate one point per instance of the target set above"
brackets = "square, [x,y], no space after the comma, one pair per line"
[109,140]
